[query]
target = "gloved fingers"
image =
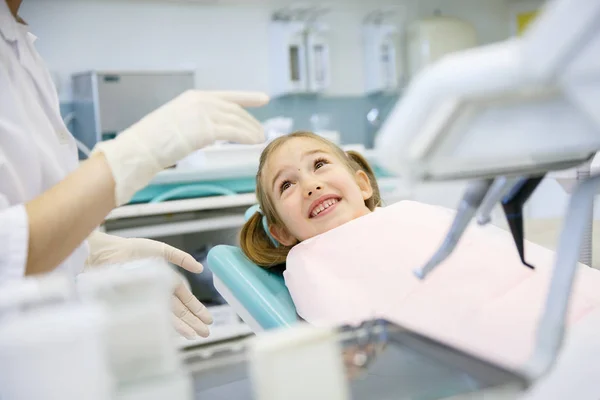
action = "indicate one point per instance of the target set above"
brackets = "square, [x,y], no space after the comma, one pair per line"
[240,120]
[244,99]
[191,303]
[181,258]
[184,329]
[238,135]
[225,108]
[146,248]
[186,316]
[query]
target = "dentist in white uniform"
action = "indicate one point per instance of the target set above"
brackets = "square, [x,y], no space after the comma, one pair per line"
[50,205]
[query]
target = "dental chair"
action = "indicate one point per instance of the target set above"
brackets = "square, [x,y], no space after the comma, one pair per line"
[258,296]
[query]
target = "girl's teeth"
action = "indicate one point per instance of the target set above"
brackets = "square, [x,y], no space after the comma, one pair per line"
[323,206]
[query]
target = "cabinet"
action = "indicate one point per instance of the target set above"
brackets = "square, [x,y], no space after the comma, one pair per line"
[299,58]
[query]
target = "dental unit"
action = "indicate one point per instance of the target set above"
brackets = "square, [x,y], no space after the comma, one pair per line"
[505,115]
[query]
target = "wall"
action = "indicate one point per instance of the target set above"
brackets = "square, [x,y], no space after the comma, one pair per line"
[228,47]
[227,44]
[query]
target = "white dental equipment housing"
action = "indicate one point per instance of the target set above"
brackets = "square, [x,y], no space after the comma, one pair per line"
[522,106]
[519,108]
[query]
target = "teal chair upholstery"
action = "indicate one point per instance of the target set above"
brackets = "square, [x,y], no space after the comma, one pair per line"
[258,296]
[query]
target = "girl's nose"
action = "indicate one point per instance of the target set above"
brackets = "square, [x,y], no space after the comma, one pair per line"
[313,190]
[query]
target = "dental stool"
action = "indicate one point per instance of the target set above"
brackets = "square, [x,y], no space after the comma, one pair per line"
[258,296]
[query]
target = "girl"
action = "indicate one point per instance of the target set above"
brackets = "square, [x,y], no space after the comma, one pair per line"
[482,300]
[305,186]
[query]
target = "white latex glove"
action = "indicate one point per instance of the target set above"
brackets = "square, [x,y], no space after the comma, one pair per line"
[190,317]
[187,123]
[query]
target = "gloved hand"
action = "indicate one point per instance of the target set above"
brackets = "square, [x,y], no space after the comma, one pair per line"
[190,317]
[187,123]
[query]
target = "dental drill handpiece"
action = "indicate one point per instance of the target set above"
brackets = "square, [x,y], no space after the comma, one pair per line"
[467,208]
[500,188]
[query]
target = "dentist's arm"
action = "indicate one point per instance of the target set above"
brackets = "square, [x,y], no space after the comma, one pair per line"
[61,218]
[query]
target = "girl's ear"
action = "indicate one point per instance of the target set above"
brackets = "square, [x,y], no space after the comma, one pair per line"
[364,184]
[282,235]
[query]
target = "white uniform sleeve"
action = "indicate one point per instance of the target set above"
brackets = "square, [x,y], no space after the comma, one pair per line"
[14,242]
[16,153]
[36,150]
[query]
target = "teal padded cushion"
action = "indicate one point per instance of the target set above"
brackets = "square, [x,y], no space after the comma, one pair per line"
[190,190]
[262,293]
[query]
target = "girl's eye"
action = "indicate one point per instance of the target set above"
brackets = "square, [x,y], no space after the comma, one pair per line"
[320,162]
[284,186]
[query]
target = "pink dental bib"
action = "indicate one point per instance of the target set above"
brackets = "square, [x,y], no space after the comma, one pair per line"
[482,299]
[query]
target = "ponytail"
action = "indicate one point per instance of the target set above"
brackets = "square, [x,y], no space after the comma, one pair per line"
[360,163]
[258,246]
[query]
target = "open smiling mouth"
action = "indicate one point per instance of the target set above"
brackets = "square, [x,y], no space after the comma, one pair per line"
[324,207]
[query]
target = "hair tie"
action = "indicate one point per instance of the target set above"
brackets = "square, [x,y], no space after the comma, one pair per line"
[256,209]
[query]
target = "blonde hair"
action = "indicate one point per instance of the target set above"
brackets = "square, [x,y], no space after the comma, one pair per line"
[254,240]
